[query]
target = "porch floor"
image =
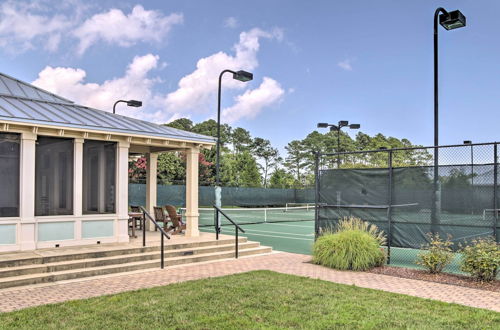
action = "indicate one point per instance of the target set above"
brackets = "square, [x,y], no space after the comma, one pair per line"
[152,239]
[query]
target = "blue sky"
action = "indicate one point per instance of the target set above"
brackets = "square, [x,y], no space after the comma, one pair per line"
[369,62]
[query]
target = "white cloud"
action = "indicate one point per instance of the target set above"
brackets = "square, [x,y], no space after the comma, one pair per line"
[231,22]
[197,88]
[345,65]
[252,102]
[134,84]
[115,27]
[24,24]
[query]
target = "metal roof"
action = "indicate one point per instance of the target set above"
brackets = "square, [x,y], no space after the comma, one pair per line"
[24,103]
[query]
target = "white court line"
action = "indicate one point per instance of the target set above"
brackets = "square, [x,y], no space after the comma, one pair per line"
[284,224]
[301,239]
[274,232]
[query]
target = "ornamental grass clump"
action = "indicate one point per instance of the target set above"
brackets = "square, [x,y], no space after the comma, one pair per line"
[349,247]
[436,254]
[481,259]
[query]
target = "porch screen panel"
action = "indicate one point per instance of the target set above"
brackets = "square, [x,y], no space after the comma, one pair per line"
[9,174]
[99,177]
[54,176]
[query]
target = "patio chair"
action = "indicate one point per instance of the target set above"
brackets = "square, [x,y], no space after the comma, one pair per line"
[177,225]
[137,209]
[160,217]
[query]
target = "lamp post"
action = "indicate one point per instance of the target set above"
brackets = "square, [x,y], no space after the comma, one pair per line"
[336,128]
[243,76]
[450,21]
[130,103]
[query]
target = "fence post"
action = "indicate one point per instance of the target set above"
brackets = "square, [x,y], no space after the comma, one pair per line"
[495,183]
[389,209]
[316,194]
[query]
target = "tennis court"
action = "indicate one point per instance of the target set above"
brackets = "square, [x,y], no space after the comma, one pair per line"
[289,229]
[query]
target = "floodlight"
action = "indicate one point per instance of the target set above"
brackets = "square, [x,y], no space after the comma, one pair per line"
[343,123]
[134,103]
[354,126]
[323,125]
[453,20]
[243,76]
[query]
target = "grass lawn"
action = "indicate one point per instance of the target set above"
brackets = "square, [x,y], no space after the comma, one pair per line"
[252,300]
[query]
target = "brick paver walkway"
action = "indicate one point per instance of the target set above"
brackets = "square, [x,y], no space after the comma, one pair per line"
[296,264]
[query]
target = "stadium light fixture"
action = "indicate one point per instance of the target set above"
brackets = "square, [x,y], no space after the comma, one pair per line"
[467,142]
[337,128]
[449,21]
[243,76]
[130,103]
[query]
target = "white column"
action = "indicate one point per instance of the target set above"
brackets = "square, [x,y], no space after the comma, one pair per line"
[27,234]
[122,191]
[78,186]
[192,192]
[151,185]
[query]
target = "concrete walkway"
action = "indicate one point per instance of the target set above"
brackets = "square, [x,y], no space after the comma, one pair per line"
[289,263]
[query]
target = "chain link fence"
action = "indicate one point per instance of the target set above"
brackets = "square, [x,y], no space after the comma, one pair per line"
[411,192]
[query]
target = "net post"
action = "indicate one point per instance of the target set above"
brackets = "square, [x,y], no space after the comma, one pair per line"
[495,192]
[389,209]
[316,195]
[265,214]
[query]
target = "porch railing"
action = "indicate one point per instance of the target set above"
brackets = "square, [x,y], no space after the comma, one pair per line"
[237,228]
[162,232]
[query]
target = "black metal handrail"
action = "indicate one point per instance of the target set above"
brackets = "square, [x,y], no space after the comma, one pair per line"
[163,234]
[236,228]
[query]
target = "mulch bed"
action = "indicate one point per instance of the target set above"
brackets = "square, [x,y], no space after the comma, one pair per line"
[444,278]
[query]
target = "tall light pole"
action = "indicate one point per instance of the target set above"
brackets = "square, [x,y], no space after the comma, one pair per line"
[243,76]
[450,21]
[336,128]
[468,142]
[130,103]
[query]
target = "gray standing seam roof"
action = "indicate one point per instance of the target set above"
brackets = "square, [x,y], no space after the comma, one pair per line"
[22,102]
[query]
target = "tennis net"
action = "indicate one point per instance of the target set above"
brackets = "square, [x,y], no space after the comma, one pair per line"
[244,216]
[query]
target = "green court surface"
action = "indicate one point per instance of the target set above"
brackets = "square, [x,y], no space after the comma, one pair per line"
[296,237]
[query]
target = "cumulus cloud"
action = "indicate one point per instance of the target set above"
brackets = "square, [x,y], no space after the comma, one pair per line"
[134,84]
[24,24]
[196,89]
[115,27]
[249,104]
[345,65]
[192,94]
[231,22]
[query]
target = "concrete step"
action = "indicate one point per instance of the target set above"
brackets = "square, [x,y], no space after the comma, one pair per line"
[45,256]
[119,259]
[62,275]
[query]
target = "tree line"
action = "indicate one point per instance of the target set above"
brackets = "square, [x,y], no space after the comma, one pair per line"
[248,161]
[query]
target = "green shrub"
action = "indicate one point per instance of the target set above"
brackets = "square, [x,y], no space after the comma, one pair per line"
[481,259]
[437,254]
[353,223]
[348,250]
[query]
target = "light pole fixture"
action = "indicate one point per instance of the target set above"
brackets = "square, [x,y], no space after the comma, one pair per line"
[336,128]
[243,76]
[450,21]
[130,103]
